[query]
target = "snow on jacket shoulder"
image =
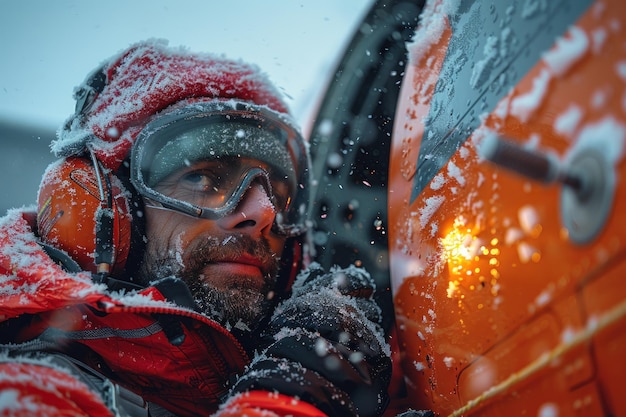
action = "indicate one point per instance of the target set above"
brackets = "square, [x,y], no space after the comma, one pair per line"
[30,282]
[37,389]
[123,332]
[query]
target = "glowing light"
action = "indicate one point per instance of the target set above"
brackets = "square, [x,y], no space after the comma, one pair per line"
[452,288]
[459,247]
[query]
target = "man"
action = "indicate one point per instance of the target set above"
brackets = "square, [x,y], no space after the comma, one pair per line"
[158,275]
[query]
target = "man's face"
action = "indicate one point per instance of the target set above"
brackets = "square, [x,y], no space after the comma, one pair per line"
[230,264]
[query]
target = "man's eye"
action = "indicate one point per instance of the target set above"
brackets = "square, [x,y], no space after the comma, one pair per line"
[201,181]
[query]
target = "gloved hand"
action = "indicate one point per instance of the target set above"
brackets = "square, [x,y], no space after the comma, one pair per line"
[325,346]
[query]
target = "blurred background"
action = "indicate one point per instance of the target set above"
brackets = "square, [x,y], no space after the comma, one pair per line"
[48,48]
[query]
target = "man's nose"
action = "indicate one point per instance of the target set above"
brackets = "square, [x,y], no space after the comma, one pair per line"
[253,215]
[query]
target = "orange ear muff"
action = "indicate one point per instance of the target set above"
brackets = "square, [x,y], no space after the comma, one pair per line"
[70,199]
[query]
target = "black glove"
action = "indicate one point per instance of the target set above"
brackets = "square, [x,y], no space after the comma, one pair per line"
[325,346]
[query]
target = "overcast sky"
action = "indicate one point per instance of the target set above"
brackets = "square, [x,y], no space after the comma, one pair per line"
[47,47]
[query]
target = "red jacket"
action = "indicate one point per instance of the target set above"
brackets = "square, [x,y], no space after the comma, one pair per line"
[120,328]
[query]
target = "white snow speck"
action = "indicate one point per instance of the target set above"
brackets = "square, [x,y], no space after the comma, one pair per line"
[432,205]
[431,27]
[482,68]
[568,335]
[567,122]
[543,299]
[599,98]
[513,235]
[567,51]
[598,38]
[548,410]
[606,136]
[455,172]
[528,218]
[437,182]
[525,105]
[532,8]
[525,252]
[620,67]
[449,361]
[326,127]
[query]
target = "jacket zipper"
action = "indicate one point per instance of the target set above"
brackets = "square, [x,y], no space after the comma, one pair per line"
[182,313]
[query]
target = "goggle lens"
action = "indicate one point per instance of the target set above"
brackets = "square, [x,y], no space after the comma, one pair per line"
[212,183]
[202,159]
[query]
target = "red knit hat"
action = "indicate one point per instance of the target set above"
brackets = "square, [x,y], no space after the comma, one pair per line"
[117,100]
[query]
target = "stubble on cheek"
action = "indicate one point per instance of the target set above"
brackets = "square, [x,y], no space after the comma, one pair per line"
[162,260]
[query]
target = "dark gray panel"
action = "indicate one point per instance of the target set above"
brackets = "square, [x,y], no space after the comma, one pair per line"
[472,80]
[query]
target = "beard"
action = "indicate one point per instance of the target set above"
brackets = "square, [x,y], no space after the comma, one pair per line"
[233,300]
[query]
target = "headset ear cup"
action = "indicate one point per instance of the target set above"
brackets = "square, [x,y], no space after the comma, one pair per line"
[69,198]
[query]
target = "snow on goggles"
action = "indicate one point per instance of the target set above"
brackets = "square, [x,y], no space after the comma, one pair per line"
[200,160]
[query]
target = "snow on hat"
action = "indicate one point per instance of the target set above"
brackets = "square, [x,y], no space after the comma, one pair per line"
[117,100]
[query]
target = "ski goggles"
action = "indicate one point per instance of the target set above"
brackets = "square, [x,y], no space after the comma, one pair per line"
[201,159]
